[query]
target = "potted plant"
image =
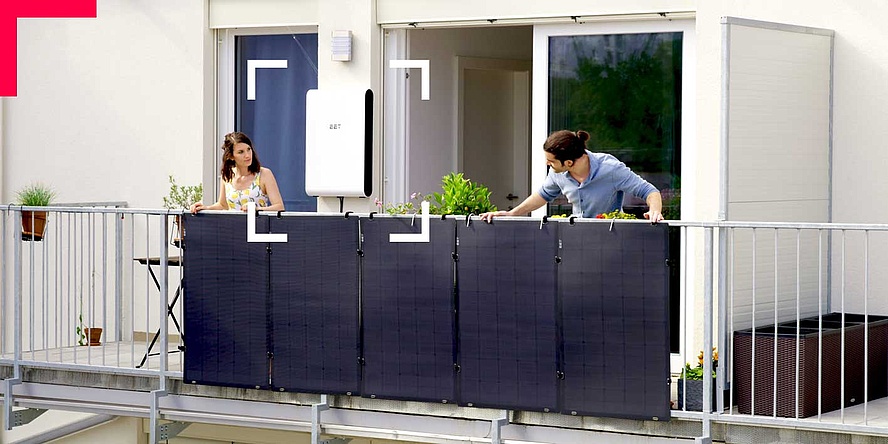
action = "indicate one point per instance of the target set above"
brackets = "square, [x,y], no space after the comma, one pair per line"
[180,198]
[690,383]
[460,196]
[91,336]
[34,222]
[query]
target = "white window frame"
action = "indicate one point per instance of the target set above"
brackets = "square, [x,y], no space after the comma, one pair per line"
[689,153]
[225,85]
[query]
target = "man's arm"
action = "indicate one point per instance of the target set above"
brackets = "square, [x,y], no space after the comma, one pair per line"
[532,202]
[655,207]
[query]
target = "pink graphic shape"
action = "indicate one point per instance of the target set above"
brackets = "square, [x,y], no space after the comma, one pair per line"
[12,10]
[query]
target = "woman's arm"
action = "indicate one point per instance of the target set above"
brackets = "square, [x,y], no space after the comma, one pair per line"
[270,187]
[219,205]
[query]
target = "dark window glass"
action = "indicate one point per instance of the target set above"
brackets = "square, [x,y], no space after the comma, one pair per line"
[275,121]
[625,90]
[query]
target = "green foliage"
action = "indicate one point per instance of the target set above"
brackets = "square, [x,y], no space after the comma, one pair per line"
[460,196]
[402,208]
[79,330]
[616,214]
[35,195]
[181,196]
[696,373]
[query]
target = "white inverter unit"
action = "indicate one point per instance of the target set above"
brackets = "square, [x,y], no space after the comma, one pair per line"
[339,142]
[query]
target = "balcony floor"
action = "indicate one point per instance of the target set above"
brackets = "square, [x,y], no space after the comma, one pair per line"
[120,354]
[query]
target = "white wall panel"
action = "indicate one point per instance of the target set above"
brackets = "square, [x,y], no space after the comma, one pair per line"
[777,150]
[254,13]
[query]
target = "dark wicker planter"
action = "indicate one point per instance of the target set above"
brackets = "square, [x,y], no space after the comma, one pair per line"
[808,342]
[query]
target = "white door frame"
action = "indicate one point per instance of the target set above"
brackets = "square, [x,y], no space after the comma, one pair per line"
[521,69]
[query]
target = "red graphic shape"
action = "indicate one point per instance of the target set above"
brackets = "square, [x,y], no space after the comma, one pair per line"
[12,10]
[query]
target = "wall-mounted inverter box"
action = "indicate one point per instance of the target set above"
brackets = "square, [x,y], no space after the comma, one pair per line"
[339,142]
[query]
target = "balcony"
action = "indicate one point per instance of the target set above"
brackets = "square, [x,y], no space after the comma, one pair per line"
[118,269]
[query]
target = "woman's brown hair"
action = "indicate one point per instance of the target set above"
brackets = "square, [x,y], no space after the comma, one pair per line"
[228,164]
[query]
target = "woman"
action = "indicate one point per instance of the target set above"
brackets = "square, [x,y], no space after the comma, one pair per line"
[244,179]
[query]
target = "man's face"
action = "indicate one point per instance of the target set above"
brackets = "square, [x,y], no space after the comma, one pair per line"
[556,164]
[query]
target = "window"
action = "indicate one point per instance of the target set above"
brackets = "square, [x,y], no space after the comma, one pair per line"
[625,90]
[275,119]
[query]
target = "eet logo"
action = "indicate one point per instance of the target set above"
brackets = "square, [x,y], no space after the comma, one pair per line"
[12,10]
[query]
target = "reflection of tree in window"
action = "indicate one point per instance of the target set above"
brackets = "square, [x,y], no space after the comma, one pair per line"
[625,90]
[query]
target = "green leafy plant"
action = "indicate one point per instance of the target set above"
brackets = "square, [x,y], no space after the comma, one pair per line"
[35,195]
[696,373]
[616,214]
[460,196]
[182,196]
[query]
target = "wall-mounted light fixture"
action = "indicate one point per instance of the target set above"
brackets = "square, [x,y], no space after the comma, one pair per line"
[342,46]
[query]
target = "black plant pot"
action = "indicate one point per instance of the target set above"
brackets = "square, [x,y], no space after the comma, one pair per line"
[694,394]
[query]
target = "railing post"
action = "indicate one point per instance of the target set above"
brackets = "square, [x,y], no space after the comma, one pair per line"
[17,321]
[164,303]
[723,330]
[708,265]
[118,276]
[316,410]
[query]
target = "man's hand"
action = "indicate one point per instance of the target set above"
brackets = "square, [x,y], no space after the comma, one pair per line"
[488,217]
[654,216]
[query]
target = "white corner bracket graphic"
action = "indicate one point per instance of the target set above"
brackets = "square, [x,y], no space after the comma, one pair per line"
[253,236]
[422,64]
[252,66]
[422,236]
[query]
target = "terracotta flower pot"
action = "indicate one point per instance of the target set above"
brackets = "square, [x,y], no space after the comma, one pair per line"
[33,225]
[95,335]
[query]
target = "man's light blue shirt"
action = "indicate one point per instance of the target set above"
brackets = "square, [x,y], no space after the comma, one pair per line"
[602,191]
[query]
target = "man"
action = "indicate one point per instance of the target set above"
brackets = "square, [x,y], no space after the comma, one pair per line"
[593,182]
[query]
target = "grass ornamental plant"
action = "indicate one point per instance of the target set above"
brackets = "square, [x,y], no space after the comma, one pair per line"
[182,196]
[35,195]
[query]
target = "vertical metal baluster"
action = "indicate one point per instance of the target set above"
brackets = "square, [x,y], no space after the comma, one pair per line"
[820,324]
[31,289]
[752,362]
[842,413]
[684,332]
[866,326]
[132,292]
[104,282]
[730,368]
[798,316]
[776,319]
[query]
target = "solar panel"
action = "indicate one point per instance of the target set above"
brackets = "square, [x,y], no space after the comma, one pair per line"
[314,305]
[507,306]
[225,286]
[407,305]
[613,287]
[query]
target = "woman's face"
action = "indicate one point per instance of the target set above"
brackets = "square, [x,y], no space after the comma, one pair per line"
[243,155]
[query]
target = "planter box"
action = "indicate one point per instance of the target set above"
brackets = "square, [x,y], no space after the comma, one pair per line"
[807,345]
[694,394]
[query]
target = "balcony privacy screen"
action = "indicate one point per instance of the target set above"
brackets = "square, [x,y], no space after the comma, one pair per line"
[514,315]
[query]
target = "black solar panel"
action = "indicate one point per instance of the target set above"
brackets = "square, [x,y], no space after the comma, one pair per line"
[408,311]
[225,287]
[314,304]
[614,297]
[507,315]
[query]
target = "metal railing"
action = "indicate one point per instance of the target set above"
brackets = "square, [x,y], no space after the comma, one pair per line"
[116,268]
[802,340]
[89,268]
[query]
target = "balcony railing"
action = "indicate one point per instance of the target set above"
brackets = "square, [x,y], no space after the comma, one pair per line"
[804,296]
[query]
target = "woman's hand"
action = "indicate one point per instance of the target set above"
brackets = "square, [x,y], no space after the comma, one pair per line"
[197,206]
